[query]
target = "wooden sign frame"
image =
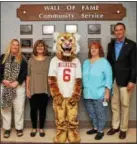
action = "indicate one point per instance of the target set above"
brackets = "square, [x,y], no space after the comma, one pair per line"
[71,12]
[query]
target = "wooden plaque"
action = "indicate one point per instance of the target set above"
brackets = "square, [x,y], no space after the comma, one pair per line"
[71,12]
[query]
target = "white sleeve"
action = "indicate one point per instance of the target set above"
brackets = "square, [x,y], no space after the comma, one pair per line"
[78,69]
[52,67]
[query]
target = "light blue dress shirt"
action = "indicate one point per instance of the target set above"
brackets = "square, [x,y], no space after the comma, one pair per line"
[96,77]
[118,47]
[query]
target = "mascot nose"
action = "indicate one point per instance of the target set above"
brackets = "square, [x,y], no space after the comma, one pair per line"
[67,44]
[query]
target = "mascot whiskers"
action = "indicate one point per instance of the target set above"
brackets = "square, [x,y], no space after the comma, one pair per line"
[65,86]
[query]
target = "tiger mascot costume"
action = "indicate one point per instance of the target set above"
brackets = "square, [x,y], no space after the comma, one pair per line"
[65,84]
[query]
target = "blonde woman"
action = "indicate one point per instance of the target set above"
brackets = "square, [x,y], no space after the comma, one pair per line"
[13,71]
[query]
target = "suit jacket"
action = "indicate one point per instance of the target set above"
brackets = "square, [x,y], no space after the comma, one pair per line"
[124,68]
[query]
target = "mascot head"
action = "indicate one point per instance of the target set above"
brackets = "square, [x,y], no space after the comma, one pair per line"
[66,44]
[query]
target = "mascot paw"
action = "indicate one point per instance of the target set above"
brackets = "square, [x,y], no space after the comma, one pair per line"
[58,99]
[74,99]
[60,137]
[73,136]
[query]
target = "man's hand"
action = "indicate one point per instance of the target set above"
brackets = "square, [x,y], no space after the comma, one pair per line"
[13,84]
[130,86]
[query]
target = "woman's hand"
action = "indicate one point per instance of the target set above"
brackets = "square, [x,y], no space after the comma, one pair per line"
[28,87]
[13,84]
[107,95]
[6,82]
[28,93]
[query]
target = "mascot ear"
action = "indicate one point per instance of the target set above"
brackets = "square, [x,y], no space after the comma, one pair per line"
[77,36]
[55,35]
[54,47]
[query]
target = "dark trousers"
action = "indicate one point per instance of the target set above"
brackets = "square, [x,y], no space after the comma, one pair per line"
[38,104]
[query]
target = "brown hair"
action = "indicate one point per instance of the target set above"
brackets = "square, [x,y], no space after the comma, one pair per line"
[120,24]
[35,47]
[97,45]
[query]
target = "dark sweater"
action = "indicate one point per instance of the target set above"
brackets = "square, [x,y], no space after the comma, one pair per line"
[22,74]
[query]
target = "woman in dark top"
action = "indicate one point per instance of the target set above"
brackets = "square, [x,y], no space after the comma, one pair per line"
[13,71]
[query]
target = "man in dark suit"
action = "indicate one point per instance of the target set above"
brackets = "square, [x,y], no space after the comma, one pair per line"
[122,57]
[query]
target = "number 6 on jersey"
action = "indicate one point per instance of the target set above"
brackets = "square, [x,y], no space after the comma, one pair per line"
[66,75]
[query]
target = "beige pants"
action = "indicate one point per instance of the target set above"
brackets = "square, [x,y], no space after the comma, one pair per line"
[18,106]
[120,107]
[66,122]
